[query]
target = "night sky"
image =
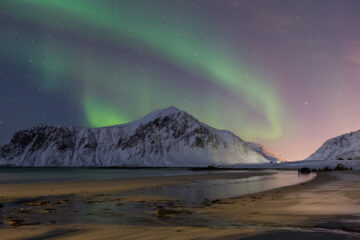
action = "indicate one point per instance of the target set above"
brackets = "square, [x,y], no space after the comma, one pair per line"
[285,73]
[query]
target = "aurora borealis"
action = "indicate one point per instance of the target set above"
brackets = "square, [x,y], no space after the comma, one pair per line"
[283,73]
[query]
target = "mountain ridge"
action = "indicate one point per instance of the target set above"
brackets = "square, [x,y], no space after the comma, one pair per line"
[164,138]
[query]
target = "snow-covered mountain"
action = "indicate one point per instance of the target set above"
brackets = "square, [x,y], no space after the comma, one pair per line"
[164,138]
[268,153]
[344,147]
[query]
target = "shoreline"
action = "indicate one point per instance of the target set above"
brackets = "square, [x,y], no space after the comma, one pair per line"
[306,210]
[22,190]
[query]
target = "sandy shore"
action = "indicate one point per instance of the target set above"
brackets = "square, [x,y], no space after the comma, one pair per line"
[325,208]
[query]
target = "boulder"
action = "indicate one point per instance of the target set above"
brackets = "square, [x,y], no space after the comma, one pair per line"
[327,169]
[340,167]
[304,170]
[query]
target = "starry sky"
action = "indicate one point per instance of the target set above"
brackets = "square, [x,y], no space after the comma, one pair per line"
[285,73]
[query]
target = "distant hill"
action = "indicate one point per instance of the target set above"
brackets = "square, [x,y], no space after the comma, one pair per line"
[344,147]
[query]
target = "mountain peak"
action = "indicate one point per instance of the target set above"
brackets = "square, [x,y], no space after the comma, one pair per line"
[167,111]
[171,112]
[170,109]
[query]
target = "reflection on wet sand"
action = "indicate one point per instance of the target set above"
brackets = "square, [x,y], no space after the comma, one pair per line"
[197,192]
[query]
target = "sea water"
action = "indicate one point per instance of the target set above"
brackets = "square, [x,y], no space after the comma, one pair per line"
[33,175]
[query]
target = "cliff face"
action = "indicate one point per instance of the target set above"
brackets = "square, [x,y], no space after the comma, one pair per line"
[164,138]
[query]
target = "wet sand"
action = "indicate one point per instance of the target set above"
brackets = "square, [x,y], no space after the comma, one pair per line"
[100,232]
[332,200]
[328,207]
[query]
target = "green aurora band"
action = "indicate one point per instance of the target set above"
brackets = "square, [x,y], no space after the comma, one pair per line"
[208,59]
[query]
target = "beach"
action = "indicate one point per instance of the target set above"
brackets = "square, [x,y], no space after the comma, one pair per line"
[327,207]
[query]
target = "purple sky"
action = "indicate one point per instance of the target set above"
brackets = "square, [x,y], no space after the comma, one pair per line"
[293,82]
